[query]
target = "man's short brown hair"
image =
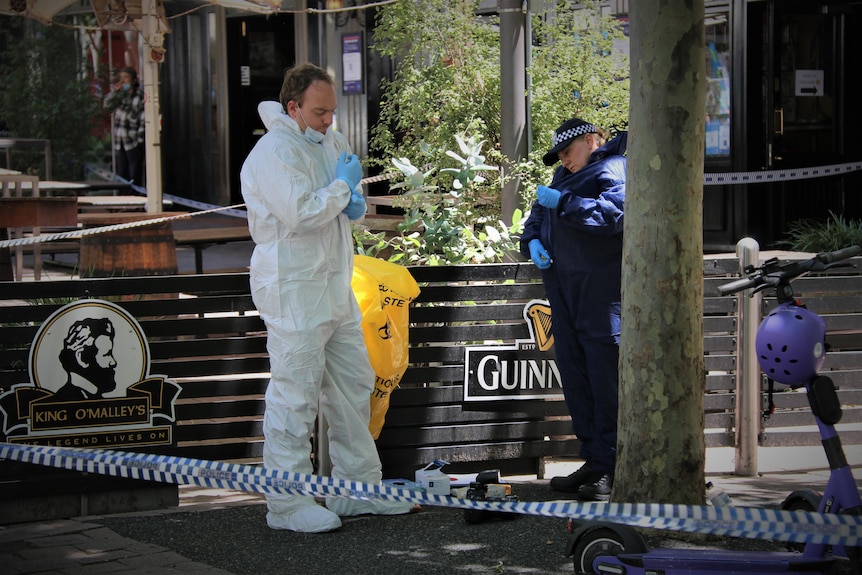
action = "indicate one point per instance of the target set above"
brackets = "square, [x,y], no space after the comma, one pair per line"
[297,80]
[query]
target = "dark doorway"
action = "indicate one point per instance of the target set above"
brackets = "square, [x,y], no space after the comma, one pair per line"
[800,81]
[260,49]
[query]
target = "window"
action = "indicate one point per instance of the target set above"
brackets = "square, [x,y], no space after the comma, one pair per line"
[718,85]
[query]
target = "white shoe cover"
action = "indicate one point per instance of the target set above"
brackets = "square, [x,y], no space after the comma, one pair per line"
[346,507]
[311,518]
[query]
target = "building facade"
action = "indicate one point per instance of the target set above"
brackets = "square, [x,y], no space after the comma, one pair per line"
[780,95]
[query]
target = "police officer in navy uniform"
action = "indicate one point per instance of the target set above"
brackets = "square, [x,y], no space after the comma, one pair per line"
[574,235]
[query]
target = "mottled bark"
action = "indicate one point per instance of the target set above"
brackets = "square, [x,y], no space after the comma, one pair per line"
[661,445]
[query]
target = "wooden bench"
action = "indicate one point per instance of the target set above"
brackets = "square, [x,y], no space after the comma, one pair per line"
[375,201]
[88,204]
[392,200]
[27,209]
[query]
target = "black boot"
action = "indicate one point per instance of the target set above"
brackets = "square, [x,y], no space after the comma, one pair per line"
[597,487]
[572,482]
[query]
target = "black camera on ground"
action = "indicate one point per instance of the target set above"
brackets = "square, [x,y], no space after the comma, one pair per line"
[479,491]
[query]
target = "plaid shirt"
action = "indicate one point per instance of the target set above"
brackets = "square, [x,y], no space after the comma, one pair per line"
[128,109]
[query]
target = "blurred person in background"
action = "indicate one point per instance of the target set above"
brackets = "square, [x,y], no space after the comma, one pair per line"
[126,103]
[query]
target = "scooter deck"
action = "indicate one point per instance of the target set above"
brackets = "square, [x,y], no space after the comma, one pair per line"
[704,562]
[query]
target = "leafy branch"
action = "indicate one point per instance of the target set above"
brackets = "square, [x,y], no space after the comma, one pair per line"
[445,221]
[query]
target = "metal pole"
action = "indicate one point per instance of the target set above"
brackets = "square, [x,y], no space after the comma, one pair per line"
[47,159]
[748,371]
[223,123]
[110,82]
[513,100]
[300,28]
[153,54]
[528,80]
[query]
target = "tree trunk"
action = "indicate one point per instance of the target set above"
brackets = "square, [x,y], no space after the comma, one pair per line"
[661,426]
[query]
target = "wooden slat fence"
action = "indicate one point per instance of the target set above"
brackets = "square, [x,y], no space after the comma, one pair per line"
[204,333]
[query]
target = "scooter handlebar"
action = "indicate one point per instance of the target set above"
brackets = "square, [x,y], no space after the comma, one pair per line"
[739,285]
[772,275]
[838,255]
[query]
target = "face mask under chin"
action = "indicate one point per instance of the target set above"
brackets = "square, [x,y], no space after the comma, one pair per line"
[310,134]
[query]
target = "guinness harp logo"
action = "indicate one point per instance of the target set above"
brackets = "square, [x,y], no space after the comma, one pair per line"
[538,316]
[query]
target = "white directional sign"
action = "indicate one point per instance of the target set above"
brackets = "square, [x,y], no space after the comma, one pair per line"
[809,82]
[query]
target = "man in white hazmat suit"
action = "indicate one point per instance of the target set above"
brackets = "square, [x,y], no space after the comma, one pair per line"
[301,187]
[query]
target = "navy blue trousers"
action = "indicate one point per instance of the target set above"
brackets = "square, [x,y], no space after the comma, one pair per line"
[585,324]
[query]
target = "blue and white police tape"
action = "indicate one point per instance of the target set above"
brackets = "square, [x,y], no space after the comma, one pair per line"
[231,211]
[711,179]
[198,205]
[205,208]
[766,176]
[796,526]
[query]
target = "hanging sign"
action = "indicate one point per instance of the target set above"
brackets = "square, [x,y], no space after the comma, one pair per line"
[351,61]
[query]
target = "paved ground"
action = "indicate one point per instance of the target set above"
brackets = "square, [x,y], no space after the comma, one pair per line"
[215,532]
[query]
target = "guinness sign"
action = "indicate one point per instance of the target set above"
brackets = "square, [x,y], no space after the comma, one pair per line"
[525,370]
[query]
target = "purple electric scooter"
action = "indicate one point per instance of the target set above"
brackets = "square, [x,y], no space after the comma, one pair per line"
[791,348]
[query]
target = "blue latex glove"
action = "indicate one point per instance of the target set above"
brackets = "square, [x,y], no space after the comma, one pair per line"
[548,197]
[348,169]
[356,206]
[539,254]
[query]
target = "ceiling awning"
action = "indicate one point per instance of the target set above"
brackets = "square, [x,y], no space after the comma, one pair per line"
[115,13]
[261,6]
[41,10]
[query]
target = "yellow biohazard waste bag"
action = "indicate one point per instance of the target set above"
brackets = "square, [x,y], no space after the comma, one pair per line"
[384,291]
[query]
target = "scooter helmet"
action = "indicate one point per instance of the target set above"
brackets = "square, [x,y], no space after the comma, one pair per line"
[791,344]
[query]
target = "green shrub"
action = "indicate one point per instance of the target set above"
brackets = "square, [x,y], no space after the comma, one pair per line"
[45,94]
[815,236]
[447,220]
[446,82]
[446,87]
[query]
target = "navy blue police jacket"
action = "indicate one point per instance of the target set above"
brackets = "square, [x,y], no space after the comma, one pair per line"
[586,228]
[584,237]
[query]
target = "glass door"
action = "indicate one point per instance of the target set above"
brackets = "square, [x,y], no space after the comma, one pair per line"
[260,49]
[799,54]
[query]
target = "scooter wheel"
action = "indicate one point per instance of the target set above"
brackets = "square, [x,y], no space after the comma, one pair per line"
[802,500]
[604,542]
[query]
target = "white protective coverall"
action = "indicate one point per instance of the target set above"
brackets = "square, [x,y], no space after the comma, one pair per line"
[300,276]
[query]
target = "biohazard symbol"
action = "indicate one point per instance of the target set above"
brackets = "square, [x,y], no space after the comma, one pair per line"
[383,332]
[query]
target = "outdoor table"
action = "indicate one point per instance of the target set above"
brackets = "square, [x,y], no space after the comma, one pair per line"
[111,203]
[20,213]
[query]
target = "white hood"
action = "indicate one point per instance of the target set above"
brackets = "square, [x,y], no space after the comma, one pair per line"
[273,115]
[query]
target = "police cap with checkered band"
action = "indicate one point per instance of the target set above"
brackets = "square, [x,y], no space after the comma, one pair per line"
[564,135]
